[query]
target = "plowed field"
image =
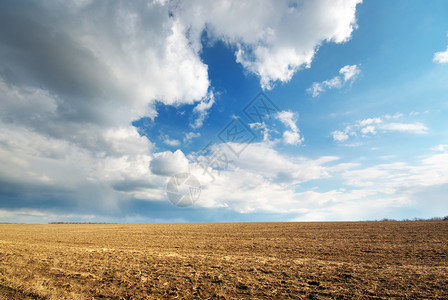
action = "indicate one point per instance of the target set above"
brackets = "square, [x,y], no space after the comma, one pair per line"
[363,260]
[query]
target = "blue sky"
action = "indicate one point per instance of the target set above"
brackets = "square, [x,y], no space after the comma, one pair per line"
[103,102]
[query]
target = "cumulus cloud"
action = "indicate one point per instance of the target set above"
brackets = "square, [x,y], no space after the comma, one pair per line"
[371,126]
[259,175]
[169,163]
[106,58]
[441,57]
[289,119]
[348,74]
[264,160]
[268,35]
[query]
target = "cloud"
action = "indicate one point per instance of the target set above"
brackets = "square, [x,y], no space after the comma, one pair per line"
[339,136]
[371,126]
[43,172]
[415,128]
[441,57]
[262,159]
[265,130]
[201,110]
[101,58]
[170,142]
[442,148]
[369,121]
[169,163]
[260,174]
[398,115]
[271,42]
[250,184]
[289,119]
[264,180]
[398,177]
[69,97]
[368,129]
[191,135]
[348,74]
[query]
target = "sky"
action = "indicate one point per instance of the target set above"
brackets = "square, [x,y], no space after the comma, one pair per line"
[279,110]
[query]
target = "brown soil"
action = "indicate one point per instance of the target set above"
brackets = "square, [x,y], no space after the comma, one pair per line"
[363,260]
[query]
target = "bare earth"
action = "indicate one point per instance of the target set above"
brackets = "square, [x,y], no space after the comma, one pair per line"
[364,260]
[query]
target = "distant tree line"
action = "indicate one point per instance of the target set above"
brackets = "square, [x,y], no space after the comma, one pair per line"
[415,219]
[79,223]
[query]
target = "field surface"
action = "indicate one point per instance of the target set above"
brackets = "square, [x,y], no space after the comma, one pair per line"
[363,260]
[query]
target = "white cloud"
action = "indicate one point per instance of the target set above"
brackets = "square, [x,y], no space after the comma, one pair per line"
[201,109]
[415,128]
[339,136]
[289,119]
[251,182]
[441,57]
[292,138]
[265,130]
[265,180]
[399,177]
[371,126]
[267,34]
[168,163]
[368,129]
[397,115]
[264,160]
[369,121]
[442,148]
[170,142]
[348,74]
[113,167]
[371,192]
[191,135]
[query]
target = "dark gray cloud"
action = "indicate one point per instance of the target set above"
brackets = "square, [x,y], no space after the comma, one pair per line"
[37,51]
[135,184]
[16,195]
